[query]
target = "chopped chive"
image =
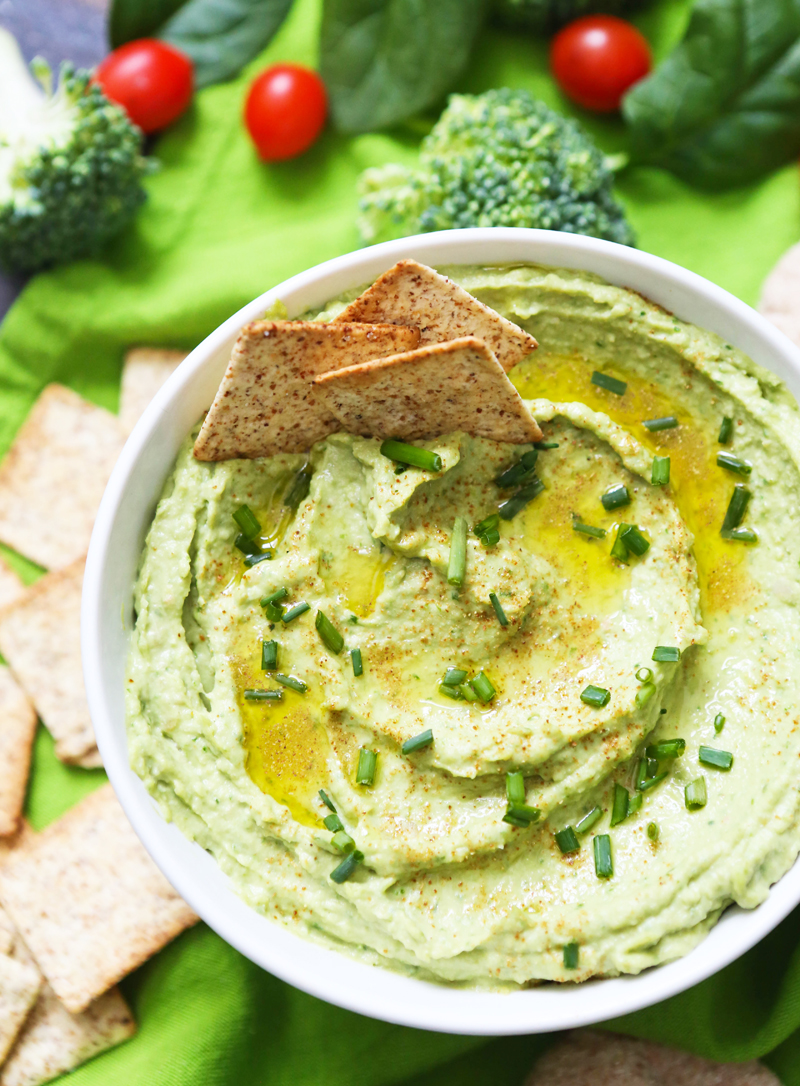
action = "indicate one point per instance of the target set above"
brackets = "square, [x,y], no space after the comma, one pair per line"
[269,655]
[641,774]
[644,675]
[651,782]
[725,430]
[298,491]
[328,633]
[733,463]
[634,803]
[454,676]
[367,763]
[452,692]
[263,695]
[669,422]
[498,609]
[741,535]
[619,808]
[588,529]
[518,471]
[292,683]
[333,823]
[719,723]
[667,748]
[666,654]
[635,541]
[412,455]
[521,815]
[567,840]
[644,694]
[571,955]
[517,502]
[596,696]
[611,384]
[467,693]
[618,549]
[346,868]
[457,567]
[276,597]
[274,612]
[295,612]
[695,794]
[251,560]
[418,742]
[736,507]
[616,497]
[247,521]
[603,863]
[590,819]
[718,759]
[660,472]
[482,685]
[487,524]
[515,788]
[651,767]
[544,445]
[490,537]
[357,662]
[343,841]
[326,799]
[246,545]
[652,831]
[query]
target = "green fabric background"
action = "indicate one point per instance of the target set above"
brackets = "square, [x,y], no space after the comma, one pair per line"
[218,229]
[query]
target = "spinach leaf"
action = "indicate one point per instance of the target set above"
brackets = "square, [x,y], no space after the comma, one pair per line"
[383,60]
[129,19]
[221,36]
[724,107]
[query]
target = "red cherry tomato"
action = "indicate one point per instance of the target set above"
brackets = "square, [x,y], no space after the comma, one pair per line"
[285,111]
[151,80]
[597,59]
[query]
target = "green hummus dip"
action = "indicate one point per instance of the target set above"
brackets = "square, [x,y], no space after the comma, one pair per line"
[447,889]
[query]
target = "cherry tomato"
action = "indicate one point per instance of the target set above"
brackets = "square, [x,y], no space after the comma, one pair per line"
[151,80]
[597,59]
[285,111]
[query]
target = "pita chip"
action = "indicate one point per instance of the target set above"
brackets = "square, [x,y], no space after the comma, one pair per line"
[53,477]
[40,639]
[17,729]
[414,294]
[11,587]
[143,373]
[267,402]
[89,902]
[19,987]
[780,296]
[433,390]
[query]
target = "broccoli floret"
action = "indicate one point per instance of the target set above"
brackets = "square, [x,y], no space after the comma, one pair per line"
[501,158]
[71,166]
[546,16]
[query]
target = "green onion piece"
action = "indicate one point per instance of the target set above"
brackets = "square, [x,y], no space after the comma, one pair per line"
[251,560]
[619,808]
[401,469]
[588,529]
[274,612]
[669,422]
[695,794]
[652,831]
[517,502]
[498,609]
[490,537]
[651,767]
[641,774]
[718,759]
[719,723]
[611,384]
[634,803]
[666,654]
[452,692]
[603,863]
[736,507]
[467,693]
[725,430]
[517,472]
[328,633]
[346,868]
[246,546]
[418,742]
[544,445]
[454,676]
[457,567]
[299,489]
[263,695]
[635,541]
[644,675]
[589,820]
[295,612]
[292,683]
[276,597]
[651,782]
[326,799]
[733,463]
[247,521]
[667,748]
[644,694]
[482,685]
[412,455]
[616,497]
[343,841]
[619,550]
[567,840]
[487,524]
[571,954]
[333,823]
[741,535]
[515,788]
[596,696]
[357,661]
[521,815]
[660,472]
[367,763]
[269,655]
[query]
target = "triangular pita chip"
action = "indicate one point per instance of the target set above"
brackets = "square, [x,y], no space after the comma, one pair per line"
[414,294]
[143,373]
[54,475]
[433,390]
[780,296]
[11,587]
[19,987]
[17,729]
[40,639]
[88,901]
[267,403]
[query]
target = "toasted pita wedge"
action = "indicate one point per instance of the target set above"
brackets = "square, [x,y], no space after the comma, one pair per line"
[54,475]
[143,373]
[88,901]
[40,638]
[267,403]
[433,390]
[19,987]
[17,729]
[780,296]
[414,294]
[11,587]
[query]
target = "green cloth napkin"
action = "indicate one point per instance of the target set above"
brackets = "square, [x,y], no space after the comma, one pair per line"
[219,228]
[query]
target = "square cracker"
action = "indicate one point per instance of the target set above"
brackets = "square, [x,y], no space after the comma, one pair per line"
[414,294]
[17,729]
[54,475]
[40,638]
[267,404]
[88,901]
[433,390]
[143,373]
[19,987]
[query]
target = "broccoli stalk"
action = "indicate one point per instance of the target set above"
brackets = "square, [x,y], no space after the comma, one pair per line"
[71,166]
[501,158]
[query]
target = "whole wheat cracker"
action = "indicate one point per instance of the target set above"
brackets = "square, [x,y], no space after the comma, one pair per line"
[88,901]
[19,987]
[44,625]
[54,475]
[17,729]
[267,404]
[414,294]
[432,390]
[144,371]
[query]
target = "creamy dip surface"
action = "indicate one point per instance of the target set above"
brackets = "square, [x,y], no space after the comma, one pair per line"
[448,890]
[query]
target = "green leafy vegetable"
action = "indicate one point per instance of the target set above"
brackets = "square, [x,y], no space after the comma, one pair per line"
[131,19]
[546,16]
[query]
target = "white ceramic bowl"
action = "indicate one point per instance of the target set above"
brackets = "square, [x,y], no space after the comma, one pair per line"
[124,517]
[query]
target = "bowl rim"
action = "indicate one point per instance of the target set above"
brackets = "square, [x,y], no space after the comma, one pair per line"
[327,974]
